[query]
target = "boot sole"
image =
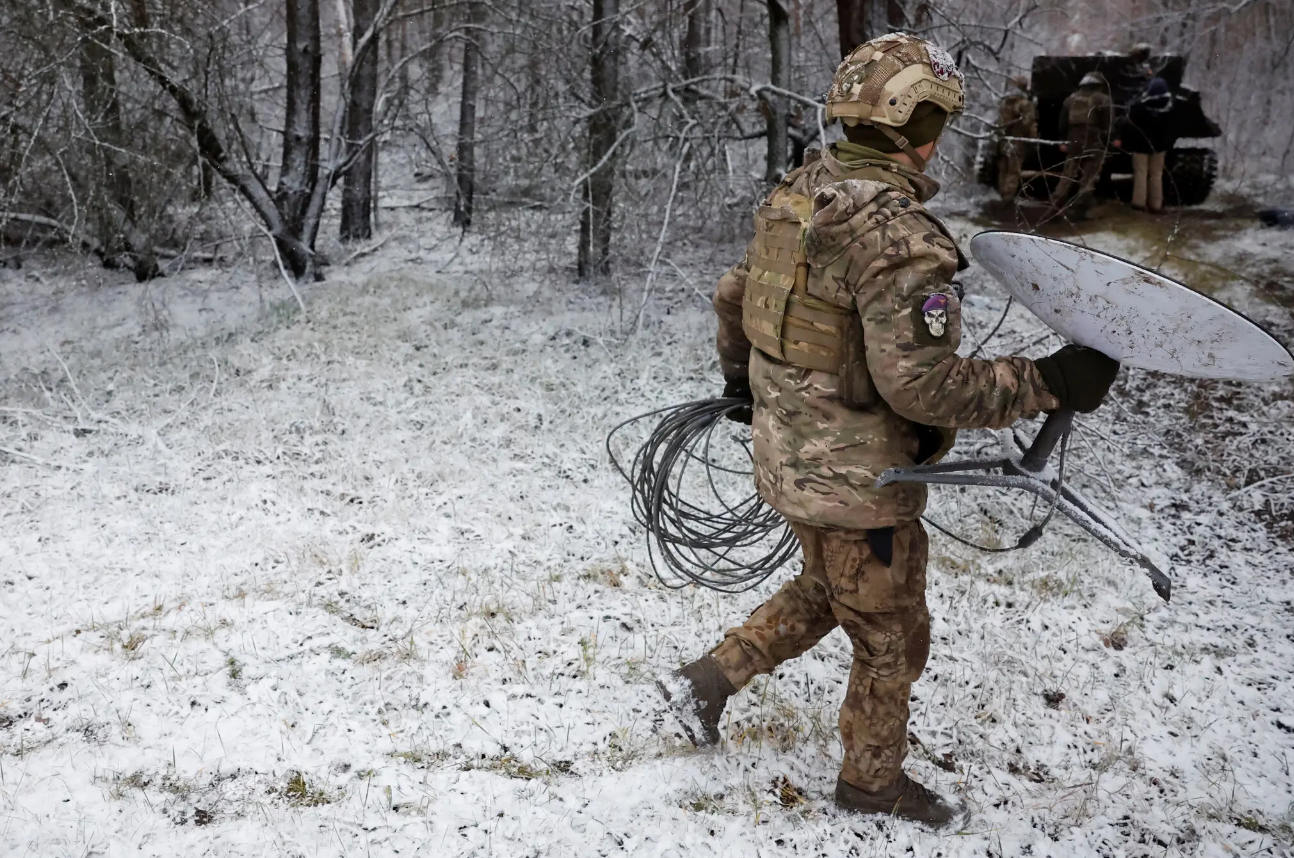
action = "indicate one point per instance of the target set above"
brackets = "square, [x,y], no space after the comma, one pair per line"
[957,823]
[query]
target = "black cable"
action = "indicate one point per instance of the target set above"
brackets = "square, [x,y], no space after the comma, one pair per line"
[1010,299]
[700,537]
[1030,536]
[693,530]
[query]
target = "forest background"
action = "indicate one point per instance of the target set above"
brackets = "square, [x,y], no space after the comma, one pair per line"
[159,135]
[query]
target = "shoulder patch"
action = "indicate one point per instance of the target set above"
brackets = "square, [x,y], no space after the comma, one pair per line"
[934,315]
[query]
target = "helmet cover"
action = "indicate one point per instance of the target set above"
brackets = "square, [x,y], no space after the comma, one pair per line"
[883,80]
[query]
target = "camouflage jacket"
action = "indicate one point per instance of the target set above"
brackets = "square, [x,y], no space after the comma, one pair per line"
[1017,116]
[1086,118]
[879,251]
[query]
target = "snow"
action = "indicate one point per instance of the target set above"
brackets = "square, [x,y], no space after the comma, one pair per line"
[361,581]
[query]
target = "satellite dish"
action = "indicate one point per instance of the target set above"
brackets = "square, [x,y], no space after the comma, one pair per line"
[1130,313]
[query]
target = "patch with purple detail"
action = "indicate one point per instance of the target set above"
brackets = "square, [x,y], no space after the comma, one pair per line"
[942,63]
[935,314]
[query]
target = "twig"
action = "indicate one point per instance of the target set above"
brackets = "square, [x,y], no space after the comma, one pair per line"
[215,379]
[287,278]
[71,381]
[1241,491]
[68,232]
[687,280]
[414,205]
[633,126]
[664,229]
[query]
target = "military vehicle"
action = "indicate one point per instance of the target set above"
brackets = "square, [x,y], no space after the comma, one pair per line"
[1189,171]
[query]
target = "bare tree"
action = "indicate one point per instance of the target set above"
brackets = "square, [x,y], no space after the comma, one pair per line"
[299,167]
[292,212]
[357,187]
[594,258]
[465,177]
[696,39]
[774,104]
[110,159]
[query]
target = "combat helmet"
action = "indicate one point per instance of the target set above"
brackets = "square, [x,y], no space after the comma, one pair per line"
[882,82]
[1093,78]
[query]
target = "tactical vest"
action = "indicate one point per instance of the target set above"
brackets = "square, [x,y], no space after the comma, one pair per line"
[1080,109]
[781,318]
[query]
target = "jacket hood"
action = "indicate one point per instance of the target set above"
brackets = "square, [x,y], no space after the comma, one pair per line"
[845,210]
[866,192]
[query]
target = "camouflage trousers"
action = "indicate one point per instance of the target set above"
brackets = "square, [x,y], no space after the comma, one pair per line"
[1010,164]
[1082,169]
[883,611]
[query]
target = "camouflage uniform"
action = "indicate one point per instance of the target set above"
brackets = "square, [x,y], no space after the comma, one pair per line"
[1016,117]
[1085,120]
[873,248]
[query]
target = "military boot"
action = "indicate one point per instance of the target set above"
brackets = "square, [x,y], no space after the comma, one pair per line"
[905,799]
[697,693]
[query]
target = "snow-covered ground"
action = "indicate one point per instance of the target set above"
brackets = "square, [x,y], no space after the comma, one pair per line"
[361,581]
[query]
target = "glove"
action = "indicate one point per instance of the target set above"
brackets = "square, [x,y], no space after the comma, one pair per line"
[1079,377]
[739,388]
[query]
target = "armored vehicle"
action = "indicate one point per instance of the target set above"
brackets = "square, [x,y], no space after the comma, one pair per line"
[1189,171]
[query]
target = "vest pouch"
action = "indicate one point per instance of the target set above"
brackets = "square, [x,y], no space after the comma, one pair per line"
[774,260]
[1080,110]
[856,387]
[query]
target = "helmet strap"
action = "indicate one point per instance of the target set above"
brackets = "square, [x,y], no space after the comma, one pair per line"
[904,145]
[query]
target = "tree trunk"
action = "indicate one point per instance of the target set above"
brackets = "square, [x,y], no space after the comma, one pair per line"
[465,179]
[696,40]
[110,167]
[861,20]
[775,106]
[357,190]
[299,171]
[896,17]
[604,128]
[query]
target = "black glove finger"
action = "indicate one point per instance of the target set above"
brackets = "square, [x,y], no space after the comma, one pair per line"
[742,415]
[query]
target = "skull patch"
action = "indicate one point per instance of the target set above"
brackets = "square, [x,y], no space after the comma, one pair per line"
[935,313]
[942,63]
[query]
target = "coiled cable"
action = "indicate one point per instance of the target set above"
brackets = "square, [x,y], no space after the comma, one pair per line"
[696,534]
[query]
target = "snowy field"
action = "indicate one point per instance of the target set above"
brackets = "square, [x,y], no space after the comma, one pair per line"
[361,581]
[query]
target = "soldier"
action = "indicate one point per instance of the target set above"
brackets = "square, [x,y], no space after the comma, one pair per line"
[1016,117]
[1147,137]
[1132,76]
[1085,121]
[841,327]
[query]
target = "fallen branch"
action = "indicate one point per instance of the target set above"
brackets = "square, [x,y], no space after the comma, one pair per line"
[48,222]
